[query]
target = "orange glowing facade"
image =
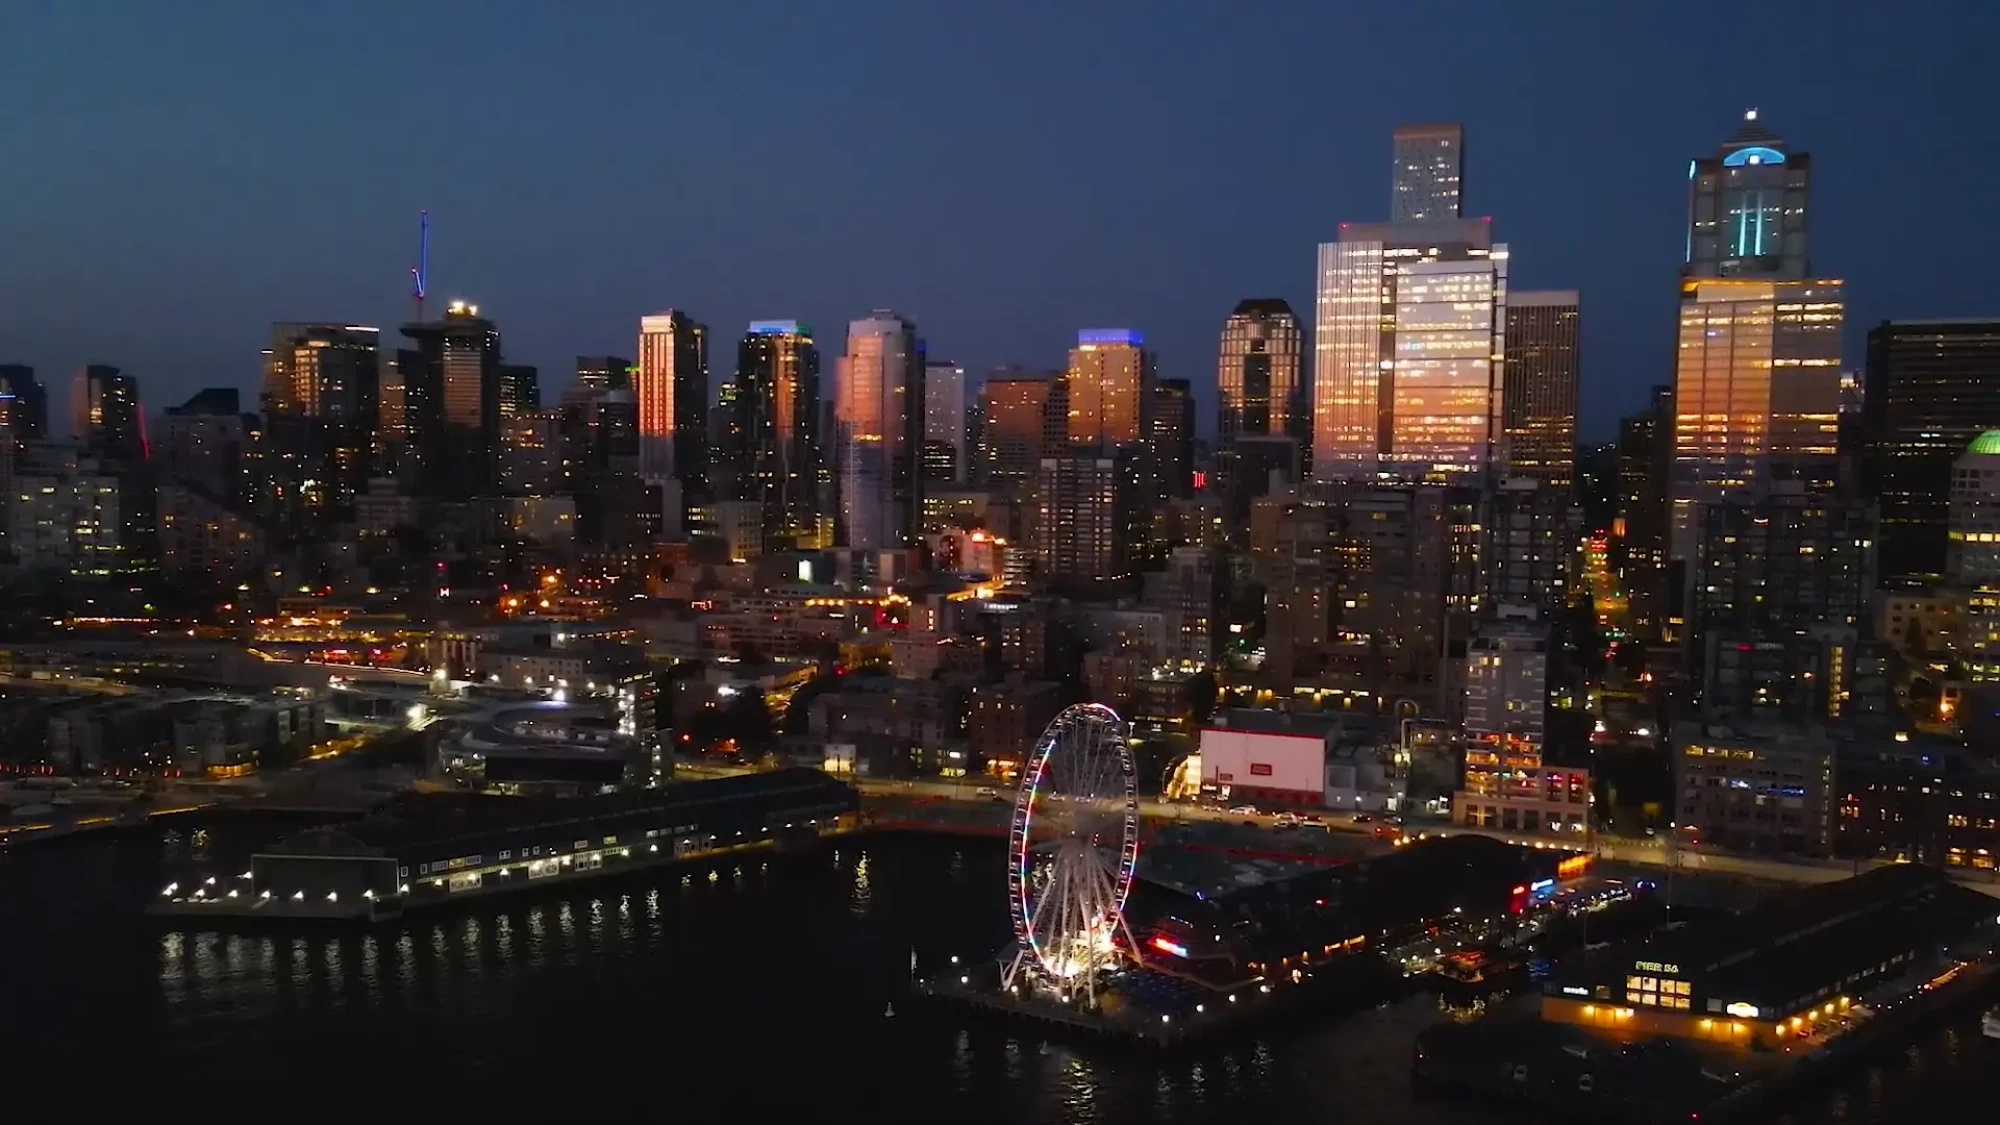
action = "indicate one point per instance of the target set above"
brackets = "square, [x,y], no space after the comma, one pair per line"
[1015,423]
[1110,382]
[671,386]
[1756,392]
[1410,330]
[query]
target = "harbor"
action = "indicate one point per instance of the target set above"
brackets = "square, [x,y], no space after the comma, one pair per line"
[1224,945]
[427,850]
[1727,1017]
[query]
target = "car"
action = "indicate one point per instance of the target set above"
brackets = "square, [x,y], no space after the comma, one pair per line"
[1362,818]
[988,791]
[1244,810]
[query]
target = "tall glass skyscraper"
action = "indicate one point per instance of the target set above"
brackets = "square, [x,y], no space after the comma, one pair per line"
[1932,388]
[671,385]
[451,391]
[1110,387]
[1259,384]
[1747,207]
[1756,393]
[944,422]
[776,428]
[1410,328]
[878,411]
[1430,160]
[1540,400]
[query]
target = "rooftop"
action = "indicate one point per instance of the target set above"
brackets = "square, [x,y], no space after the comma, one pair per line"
[1807,938]
[428,820]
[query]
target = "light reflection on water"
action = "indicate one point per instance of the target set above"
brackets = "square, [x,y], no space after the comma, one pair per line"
[774,961]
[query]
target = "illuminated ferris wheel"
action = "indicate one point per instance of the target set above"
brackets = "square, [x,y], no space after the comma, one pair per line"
[1071,852]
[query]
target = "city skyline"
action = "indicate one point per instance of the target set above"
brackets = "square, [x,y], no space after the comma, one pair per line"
[1167,260]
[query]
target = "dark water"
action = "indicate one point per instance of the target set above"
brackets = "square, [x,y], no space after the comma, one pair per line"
[758,997]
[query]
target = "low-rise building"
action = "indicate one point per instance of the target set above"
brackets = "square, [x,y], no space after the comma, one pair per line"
[1768,790]
[1005,720]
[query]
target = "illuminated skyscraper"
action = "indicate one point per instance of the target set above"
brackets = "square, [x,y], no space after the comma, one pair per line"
[1430,160]
[1756,393]
[451,392]
[520,389]
[775,430]
[1409,331]
[1088,499]
[1539,411]
[878,410]
[322,400]
[1747,207]
[1259,388]
[945,446]
[1260,396]
[104,411]
[1110,387]
[1016,419]
[671,384]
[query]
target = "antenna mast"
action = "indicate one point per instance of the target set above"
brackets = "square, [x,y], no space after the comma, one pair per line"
[421,272]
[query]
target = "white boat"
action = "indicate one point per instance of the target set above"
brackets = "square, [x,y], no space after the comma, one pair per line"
[1989,1024]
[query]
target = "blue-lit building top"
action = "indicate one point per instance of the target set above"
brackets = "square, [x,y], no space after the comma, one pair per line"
[1747,207]
[1111,336]
[779,328]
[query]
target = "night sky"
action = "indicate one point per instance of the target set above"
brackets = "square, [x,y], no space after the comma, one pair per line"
[178,175]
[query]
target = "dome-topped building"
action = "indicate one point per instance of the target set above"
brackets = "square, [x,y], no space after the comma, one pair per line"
[1972,549]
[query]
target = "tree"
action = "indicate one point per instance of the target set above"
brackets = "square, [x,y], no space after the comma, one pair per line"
[1201,695]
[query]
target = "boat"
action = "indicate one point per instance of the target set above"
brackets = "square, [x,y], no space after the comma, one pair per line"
[1989,1024]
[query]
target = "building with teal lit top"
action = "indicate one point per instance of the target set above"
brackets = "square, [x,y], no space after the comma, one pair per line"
[1747,207]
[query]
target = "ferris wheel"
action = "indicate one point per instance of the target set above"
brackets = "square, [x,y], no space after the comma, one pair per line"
[1071,851]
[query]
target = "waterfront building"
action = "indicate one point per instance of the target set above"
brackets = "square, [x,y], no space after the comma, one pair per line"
[1770,975]
[1508,785]
[1766,788]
